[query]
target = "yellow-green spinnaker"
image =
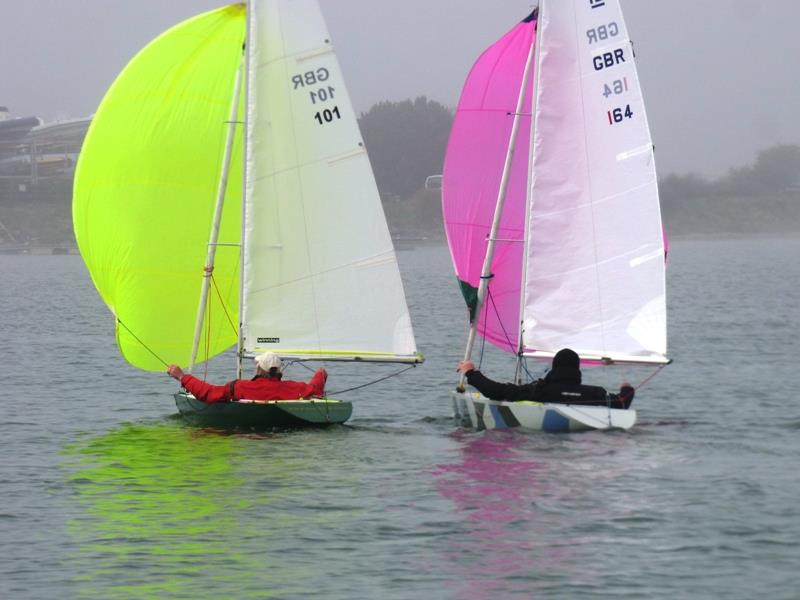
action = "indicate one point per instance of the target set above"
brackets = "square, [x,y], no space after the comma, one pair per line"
[146,185]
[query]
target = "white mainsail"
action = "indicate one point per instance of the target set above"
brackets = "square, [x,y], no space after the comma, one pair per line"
[595,273]
[320,275]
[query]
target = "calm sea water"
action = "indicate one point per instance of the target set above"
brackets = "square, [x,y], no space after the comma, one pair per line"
[106,494]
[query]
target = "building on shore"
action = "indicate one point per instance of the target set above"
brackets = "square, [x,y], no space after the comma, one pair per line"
[31,150]
[37,164]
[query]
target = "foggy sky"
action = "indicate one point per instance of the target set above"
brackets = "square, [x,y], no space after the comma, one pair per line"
[720,77]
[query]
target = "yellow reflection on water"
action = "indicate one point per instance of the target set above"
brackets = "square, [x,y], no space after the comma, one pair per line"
[165,510]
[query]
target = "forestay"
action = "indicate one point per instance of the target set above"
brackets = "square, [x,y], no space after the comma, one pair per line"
[320,272]
[594,278]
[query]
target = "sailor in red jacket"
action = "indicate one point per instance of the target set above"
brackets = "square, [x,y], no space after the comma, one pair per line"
[266,385]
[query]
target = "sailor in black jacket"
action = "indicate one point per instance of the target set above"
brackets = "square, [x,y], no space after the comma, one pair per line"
[562,384]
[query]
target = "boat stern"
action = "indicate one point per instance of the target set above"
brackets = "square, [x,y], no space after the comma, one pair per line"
[264,414]
[472,410]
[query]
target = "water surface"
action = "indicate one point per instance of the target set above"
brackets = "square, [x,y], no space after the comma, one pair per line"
[107,494]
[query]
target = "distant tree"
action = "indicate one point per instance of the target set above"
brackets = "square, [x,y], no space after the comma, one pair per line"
[778,168]
[406,142]
[678,192]
[739,181]
[762,197]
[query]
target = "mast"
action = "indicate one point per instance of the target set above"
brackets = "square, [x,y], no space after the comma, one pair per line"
[248,51]
[212,242]
[529,192]
[498,212]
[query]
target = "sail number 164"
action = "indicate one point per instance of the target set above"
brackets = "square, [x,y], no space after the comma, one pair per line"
[616,87]
[618,115]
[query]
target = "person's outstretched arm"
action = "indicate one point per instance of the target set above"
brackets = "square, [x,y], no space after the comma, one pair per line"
[493,389]
[205,392]
[317,383]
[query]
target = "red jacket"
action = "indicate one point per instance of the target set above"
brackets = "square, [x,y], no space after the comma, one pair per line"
[258,388]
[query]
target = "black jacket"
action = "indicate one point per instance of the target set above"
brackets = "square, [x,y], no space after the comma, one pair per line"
[556,390]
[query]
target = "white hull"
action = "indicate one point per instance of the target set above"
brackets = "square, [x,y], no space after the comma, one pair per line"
[473,410]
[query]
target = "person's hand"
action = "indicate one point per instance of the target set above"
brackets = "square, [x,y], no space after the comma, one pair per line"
[465,366]
[175,371]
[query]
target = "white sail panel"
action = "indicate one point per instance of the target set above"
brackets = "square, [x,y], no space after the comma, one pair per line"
[320,272]
[595,254]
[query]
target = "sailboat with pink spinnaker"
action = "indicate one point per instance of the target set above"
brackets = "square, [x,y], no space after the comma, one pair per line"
[551,209]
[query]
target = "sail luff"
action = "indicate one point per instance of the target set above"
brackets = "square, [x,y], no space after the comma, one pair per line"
[249,45]
[529,188]
[215,226]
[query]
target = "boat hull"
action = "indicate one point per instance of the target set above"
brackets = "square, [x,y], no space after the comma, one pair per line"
[264,414]
[473,410]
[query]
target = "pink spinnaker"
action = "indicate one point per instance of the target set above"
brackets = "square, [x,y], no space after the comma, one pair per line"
[473,168]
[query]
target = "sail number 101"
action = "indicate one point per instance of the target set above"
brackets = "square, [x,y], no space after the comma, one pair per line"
[618,115]
[328,115]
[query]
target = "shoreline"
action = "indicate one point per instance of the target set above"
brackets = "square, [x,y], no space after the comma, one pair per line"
[724,236]
[39,249]
[402,242]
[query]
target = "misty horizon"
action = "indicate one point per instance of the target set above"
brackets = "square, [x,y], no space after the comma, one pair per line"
[710,109]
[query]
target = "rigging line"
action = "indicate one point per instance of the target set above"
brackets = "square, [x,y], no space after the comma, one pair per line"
[358,387]
[483,347]
[145,346]
[485,319]
[524,364]
[302,364]
[326,413]
[505,333]
[208,339]
[499,320]
[647,379]
[222,303]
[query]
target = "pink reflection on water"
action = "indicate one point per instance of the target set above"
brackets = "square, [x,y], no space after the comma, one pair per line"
[497,489]
[488,471]
[530,512]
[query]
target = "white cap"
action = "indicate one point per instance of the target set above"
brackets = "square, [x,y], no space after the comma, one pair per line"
[269,360]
